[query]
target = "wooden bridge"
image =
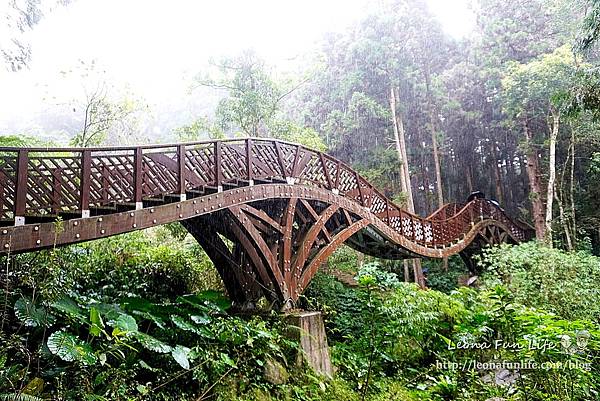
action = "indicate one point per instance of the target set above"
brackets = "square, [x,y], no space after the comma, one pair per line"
[268,213]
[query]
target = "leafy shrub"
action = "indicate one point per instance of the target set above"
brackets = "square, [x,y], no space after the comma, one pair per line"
[444,280]
[117,318]
[562,282]
[344,258]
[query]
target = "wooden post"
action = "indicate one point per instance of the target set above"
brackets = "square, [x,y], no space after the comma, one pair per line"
[387,211]
[360,192]
[84,189]
[280,160]
[105,184]
[326,171]
[181,172]
[249,158]
[218,173]
[137,178]
[295,171]
[21,187]
[336,190]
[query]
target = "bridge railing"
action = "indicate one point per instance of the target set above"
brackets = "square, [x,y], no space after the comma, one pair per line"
[49,181]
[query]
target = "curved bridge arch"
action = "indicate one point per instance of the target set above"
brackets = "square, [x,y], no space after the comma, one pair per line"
[267,212]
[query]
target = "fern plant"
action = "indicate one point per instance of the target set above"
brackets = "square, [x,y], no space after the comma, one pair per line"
[19,397]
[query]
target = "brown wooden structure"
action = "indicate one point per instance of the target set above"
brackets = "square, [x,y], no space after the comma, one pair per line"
[267,212]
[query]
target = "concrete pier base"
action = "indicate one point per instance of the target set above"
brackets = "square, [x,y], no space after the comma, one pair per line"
[309,330]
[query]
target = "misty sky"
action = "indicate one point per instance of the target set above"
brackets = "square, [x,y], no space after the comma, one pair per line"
[154,48]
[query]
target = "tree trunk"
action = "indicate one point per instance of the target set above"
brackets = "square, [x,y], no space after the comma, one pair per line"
[512,182]
[436,155]
[563,221]
[434,144]
[402,148]
[551,176]
[497,176]
[533,172]
[397,140]
[469,179]
[400,142]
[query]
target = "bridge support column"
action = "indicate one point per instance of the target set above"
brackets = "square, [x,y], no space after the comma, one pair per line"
[308,329]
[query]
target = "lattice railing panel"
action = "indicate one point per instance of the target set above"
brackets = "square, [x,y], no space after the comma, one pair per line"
[347,180]
[233,162]
[111,179]
[8,171]
[200,161]
[265,161]
[53,184]
[396,223]
[288,153]
[378,204]
[159,175]
[313,171]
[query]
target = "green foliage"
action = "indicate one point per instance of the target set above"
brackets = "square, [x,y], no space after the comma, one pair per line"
[201,129]
[21,141]
[590,27]
[404,339]
[541,277]
[125,317]
[253,96]
[344,258]
[19,397]
[32,315]
[70,349]
[531,88]
[252,105]
[441,279]
[371,274]
[292,132]
[387,338]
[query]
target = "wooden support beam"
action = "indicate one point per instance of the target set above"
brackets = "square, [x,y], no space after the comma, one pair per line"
[138,177]
[20,204]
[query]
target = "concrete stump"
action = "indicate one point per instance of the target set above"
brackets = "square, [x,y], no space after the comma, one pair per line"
[308,329]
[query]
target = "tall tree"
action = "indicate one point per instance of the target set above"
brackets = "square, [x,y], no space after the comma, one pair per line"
[535,94]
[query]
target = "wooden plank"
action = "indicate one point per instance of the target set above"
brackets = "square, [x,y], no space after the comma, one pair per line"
[21,183]
[263,216]
[86,176]
[217,172]
[326,171]
[138,175]
[181,171]
[249,159]
[280,159]
[286,260]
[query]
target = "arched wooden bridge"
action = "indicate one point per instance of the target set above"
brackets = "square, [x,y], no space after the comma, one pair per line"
[267,212]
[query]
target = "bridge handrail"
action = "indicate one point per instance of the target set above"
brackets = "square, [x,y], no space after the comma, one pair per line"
[50,180]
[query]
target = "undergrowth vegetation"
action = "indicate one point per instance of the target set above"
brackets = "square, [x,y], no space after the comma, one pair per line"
[143,316]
